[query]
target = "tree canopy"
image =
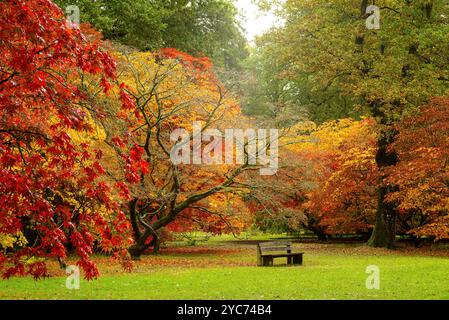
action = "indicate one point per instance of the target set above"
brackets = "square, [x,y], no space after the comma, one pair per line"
[197,27]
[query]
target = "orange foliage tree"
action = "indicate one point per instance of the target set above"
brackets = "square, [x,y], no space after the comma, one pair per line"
[344,199]
[422,173]
[157,94]
[326,182]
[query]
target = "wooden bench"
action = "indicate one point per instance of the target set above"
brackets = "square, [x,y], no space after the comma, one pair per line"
[267,251]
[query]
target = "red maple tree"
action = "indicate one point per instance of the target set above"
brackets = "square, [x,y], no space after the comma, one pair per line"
[50,191]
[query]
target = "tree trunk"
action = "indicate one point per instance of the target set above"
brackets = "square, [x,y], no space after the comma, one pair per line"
[384,232]
[156,245]
[417,241]
[138,249]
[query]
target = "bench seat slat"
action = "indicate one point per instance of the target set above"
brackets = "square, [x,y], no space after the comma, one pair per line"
[275,248]
[264,244]
[278,255]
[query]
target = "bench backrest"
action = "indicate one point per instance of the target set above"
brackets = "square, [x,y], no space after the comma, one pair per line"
[265,247]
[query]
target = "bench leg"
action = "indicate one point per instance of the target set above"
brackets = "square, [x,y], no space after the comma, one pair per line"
[267,261]
[264,261]
[289,260]
[297,260]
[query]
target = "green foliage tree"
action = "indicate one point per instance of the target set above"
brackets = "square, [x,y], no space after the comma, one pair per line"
[265,92]
[271,87]
[208,27]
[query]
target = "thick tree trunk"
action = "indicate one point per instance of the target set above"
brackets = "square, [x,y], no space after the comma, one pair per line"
[140,238]
[384,232]
[139,248]
[136,251]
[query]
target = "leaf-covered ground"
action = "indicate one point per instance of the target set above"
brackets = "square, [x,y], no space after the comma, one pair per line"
[226,270]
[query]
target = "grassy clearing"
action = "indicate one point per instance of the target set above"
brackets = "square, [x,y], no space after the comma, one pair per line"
[225,270]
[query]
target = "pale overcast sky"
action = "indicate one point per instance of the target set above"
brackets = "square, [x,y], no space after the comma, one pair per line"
[253,21]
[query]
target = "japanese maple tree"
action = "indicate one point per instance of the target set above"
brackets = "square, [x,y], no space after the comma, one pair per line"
[158,93]
[51,194]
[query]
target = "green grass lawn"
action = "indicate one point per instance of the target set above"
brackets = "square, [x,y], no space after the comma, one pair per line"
[218,270]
